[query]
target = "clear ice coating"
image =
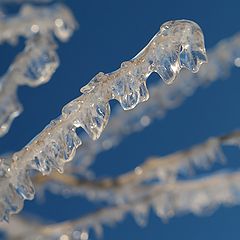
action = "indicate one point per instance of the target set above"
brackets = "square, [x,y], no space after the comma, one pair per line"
[168,67]
[93,83]
[9,109]
[24,186]
[164,55]
[130,89]
[57,151]
[91,117]
[178,44]
[221,60]
[40,69]
[10,200]
[39,60]
[96,119]
[188,53]
[56,18]
[33,67]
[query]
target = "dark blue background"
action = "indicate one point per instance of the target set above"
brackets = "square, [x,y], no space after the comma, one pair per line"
[109,33]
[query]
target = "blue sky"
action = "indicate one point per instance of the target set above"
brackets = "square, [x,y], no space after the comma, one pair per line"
[109,33]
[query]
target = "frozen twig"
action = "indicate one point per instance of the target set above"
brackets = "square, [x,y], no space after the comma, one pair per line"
[178,44]
[56,19]
[33,67]
[39,60]
[168,200]
[155,169]
[221,59]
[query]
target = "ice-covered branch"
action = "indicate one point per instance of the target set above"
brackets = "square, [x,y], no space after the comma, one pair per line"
[56,19]
[178,44]
[158,169]
[39,60]
[33,67]
[168,200]
[221,59]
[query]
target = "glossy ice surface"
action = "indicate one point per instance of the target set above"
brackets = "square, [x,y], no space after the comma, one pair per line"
[178,44]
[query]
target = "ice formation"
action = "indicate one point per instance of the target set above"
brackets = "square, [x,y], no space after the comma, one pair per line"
[168,200]
[39,60]
[178,44]
[221,59]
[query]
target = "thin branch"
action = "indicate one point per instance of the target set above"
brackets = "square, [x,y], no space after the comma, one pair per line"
[38,61]
[221,59]
[163,169]
[56,18]
[178,44]
[33,67]
[197,196]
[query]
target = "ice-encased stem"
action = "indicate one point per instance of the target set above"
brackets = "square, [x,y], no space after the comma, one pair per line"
[167,200]
[39,60]
[198,196]
[33,67]
[221,60]
[160,170]
[178,44]
[56,18]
